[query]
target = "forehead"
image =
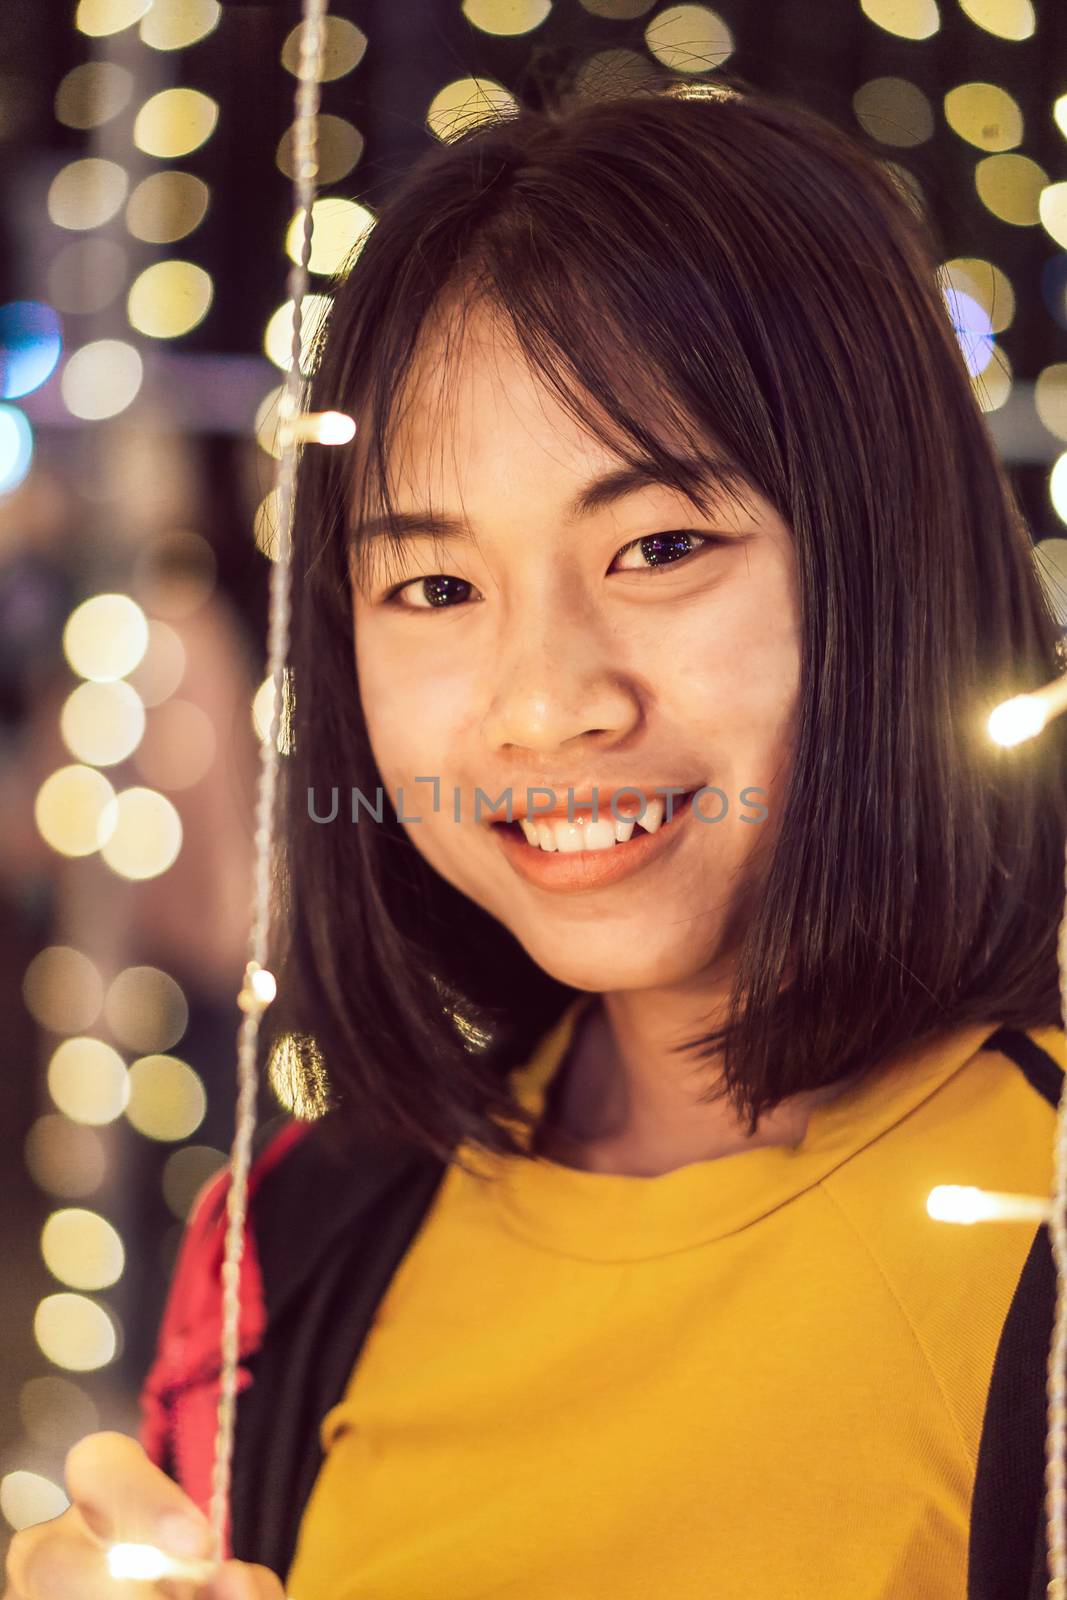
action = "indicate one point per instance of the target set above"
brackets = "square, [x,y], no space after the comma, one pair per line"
[473,410]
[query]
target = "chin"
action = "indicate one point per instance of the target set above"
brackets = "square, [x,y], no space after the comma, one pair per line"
[612,967]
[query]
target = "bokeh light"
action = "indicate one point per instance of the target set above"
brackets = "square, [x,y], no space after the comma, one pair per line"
[984,115]
[467,102]
[178,748]
[1008,19]
[986,284]
[339,147]
[146,1009]
[101,379]
[1057,486]
[16,447]
[908,19]
[87,275]
[265,524]
[92,94]
[1052,210]
[506,17]
[27,1498]
[1050,559]
[167,1099]
[102,723]
[143,833]
[278,338]
[343,48]
[82,1249]
[1050,398]
[74,1332]
[610,72]
[62,989]
[618,10]
[689,38]
[174,122]
[267,418]
[65,1158]
[186,1172]
[56,1412]
[105,637]
[176,24]
[70,810]
[100,17]
[162,667]
[1010,187]
[176,571]
[973,330]
[339,229]
[169,298]
[30,343]
[263,710]
[894,111]
[88,1081]
[296,1073]
[87,193]
[992,386]
[166,206]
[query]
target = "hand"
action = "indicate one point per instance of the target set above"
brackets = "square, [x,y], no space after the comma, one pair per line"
[118,1495]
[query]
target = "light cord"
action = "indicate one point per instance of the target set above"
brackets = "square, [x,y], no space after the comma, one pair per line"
[1055,1466]
[258,987]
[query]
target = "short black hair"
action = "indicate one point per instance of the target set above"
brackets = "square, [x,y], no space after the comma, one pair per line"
[719,260]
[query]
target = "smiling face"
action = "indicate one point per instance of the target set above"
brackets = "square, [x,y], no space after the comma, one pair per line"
[640,642]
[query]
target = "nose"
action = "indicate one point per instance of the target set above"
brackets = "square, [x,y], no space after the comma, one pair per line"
[561,678]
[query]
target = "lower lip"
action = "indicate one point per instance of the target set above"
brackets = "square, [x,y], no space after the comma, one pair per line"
[565,871]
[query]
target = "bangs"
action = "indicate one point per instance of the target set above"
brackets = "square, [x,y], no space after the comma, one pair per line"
[592,356]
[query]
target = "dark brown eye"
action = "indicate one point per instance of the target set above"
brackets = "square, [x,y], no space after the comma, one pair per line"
[666,549]
[435,591]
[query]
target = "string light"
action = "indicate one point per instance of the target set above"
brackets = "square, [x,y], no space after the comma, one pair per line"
[1011,722]
[317,427]
[1024,715]
[145,1563]
[953,1202]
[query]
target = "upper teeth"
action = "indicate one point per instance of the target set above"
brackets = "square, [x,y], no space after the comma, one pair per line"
[557,833]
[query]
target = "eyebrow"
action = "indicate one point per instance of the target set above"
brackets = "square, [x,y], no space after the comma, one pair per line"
[691,476]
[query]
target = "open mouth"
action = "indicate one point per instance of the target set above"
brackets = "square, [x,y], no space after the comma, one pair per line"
[551,835]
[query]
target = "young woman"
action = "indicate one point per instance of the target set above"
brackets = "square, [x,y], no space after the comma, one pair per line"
[608,1270]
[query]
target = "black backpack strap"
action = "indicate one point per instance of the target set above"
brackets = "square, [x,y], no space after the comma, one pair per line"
[1007,1557]
[330,1233]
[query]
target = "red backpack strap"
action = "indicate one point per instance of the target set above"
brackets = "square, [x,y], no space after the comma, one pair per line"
[179,1397]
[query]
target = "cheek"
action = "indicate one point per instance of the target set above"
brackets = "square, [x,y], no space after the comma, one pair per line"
[414,713]
[739,662]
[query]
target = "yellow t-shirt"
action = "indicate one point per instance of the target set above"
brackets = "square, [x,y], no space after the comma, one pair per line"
[759,1377]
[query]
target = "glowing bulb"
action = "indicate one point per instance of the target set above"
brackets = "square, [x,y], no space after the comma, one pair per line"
[263,985]
[317,427]
[146,1563]
[258,989]
[955,1202]
[334,428]
[1017,719]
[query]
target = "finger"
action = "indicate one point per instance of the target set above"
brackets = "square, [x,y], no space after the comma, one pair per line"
[60,1563]
[125,1498]
[243,1580]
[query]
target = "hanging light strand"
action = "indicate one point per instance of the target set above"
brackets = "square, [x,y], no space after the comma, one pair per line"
[259,986]
[1056,1439]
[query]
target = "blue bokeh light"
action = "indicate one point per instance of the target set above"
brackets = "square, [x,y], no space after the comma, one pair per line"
[973,328]
[16,447]
[30,344]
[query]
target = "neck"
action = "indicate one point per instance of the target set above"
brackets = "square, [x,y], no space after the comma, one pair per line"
[622,1101]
